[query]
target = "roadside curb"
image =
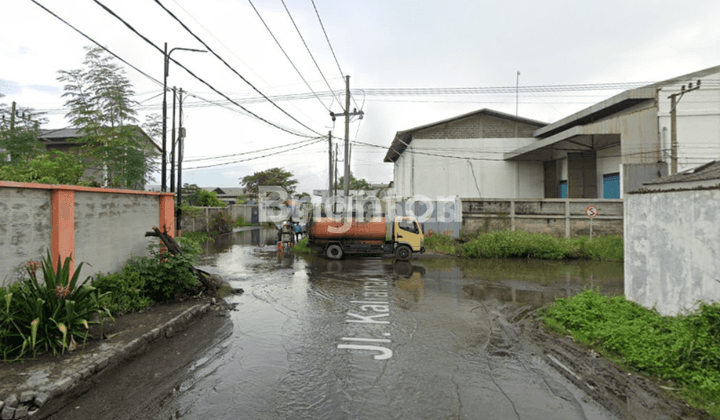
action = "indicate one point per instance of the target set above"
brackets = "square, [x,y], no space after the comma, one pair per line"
[39,399]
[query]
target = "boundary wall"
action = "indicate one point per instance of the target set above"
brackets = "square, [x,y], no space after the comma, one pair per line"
[100,227]
[558,217]
[202,222]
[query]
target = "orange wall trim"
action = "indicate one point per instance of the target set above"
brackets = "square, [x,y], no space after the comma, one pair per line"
[62,199]
[63,226]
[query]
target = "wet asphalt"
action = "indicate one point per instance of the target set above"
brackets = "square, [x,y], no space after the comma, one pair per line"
[371,338]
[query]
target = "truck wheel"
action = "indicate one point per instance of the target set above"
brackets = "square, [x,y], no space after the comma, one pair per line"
[334,252]
[403,253]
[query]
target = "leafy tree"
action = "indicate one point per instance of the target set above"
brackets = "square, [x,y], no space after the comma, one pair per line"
[99,98]
[49,168]
[270,177]
[355,184]
[18,136]
[196,196]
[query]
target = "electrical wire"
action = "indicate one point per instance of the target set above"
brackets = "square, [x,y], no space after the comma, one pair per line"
[306,46]
[286,55]
[144,38]
[247,153]
[231,67]
[253,158]
[97,43]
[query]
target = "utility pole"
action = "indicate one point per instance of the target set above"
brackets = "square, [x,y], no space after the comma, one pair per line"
[166,68]
[181,137]
[12,116]
[330,162]
[347,115]
[172,145]
[674,101]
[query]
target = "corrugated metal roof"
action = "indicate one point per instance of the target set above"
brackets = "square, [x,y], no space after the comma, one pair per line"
[618,102]
[403,138]
[707,172]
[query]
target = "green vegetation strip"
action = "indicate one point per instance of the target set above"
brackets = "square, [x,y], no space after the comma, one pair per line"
[519,244]
[683,350]
[301,247]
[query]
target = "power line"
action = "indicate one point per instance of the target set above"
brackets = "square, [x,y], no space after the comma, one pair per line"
[306,47]
[257,157]
[97,43]
[247,153]
[342,75]
[286,54]
[144,38]
[230,67]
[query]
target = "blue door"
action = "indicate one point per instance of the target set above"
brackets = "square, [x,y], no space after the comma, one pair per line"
[611,185]
[562,189]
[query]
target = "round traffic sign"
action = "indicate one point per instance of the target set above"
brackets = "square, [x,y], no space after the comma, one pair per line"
[591,211]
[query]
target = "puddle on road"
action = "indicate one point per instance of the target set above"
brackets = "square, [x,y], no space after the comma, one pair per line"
[531,282]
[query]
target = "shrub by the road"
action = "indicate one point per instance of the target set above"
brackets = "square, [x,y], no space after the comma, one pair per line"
[520,244]
[684,349]
[47,314]
[159,277]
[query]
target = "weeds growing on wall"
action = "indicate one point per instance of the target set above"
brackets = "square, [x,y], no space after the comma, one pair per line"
[520,244]
[220,224]
[684,349]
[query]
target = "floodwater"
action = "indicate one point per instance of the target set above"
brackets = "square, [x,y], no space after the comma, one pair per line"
[365,338]
[373,338]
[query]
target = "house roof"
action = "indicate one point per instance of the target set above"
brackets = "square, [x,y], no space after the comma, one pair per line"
[571,125]
[226,191]
[68,134]
[403,138]
[618,102]
[707,172]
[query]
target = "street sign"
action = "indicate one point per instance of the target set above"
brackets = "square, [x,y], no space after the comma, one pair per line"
[591,211]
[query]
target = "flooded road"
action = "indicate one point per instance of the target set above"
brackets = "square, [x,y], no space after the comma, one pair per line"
[367,338]
[370,338]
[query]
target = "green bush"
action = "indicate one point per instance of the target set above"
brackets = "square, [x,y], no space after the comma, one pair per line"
[520,244]
[240,222]
[442,243]
[48,314]
[302,247]
[127,291]
[220,224]
[166,276]
[683,349]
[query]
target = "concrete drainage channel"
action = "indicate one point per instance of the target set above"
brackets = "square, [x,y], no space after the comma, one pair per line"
[42,395]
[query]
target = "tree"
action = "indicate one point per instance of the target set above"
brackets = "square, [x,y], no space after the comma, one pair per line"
[271,177]
[48,168]
[19,136]
[99,98]
[355,184]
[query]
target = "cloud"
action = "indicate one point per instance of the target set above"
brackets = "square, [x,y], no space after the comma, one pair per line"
[7,87]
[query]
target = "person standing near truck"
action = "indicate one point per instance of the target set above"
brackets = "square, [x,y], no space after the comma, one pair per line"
[298,232]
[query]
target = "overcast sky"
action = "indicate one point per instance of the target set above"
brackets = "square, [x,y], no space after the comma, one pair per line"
[381,45]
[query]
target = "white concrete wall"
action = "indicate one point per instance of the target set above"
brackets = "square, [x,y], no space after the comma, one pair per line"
[25,230]
[672,249]
[476,170]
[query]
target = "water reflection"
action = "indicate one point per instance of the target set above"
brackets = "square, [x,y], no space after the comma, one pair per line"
[530,282]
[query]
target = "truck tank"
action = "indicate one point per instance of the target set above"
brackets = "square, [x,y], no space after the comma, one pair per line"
[372,231]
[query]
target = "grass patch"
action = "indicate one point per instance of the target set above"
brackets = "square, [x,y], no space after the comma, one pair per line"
[520,244]
[684,350]
[301,247]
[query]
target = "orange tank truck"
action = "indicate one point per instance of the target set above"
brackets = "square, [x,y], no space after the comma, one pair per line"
[336,237]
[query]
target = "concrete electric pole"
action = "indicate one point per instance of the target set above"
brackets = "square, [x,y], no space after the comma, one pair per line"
[347,115]
[674,100]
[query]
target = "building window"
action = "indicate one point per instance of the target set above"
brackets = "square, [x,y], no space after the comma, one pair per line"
[611,185]
[562,189]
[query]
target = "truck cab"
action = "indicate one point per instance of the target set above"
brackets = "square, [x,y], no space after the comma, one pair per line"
[408,237]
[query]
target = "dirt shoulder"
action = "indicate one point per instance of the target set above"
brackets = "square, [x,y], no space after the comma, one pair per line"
[627,395]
